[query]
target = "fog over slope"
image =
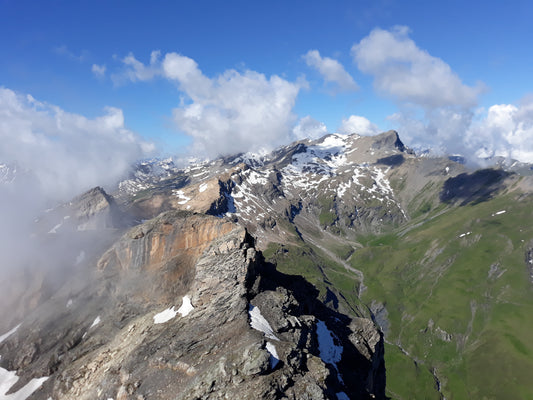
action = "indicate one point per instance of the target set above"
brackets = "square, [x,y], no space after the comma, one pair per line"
[49,156]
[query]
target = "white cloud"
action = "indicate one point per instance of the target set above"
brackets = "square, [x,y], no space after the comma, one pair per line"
[331,70]
[407,73]
[309,128]
[185,71]
[506,131]
[435,106]
[66,52]
[65,152]
[233,112]
[441,130]
[136,71]
[359,125]
[98,70]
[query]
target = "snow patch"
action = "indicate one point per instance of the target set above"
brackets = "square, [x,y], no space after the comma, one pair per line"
[186,306]
[183,199]
[55,228]
[499,212]
[165,316]
[69,303]
[200,174]
[341,190]
[274,358]
[7,334]
[329,352]
[259,323]
[95,322]
[255,178]
[203,187]
[342,396]
[9,378]
[465,234]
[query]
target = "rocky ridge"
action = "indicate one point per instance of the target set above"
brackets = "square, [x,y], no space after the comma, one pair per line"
[104,339]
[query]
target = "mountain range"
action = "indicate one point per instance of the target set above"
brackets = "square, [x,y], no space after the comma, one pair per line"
[343,267]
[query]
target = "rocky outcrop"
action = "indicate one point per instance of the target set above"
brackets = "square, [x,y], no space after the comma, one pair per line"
[95,209]
[529,261]
[340,354]
[389,140]
[208,196]
[172,311]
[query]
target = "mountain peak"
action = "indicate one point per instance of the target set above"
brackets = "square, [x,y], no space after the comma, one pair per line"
[388,140]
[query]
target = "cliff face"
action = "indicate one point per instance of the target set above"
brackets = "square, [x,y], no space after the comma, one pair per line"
[184,307]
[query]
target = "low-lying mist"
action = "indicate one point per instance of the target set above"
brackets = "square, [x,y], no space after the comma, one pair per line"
[48,156]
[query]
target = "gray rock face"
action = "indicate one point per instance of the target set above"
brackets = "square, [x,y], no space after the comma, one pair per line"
[529,262]
[389,141]
[97,337]
[95,209]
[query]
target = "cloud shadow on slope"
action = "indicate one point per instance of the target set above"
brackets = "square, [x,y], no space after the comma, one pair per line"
[476,187]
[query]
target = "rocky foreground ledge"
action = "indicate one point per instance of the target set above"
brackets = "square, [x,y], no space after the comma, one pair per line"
[184,307]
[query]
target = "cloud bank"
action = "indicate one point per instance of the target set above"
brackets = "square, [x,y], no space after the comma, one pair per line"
[66,153]
[238,111]
[436,109]
[506,131]
[57,155]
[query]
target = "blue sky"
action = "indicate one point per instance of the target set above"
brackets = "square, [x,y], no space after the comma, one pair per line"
[234,75]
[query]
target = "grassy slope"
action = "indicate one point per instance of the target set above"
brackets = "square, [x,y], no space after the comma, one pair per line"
[435,283]
[431,273]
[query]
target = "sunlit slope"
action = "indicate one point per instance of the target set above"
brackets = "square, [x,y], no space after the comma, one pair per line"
[458,295]
[452,287]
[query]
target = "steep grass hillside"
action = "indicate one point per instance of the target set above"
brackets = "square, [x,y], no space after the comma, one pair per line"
[458,296]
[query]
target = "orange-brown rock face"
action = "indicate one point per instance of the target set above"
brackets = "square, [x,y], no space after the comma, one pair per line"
[164,252]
